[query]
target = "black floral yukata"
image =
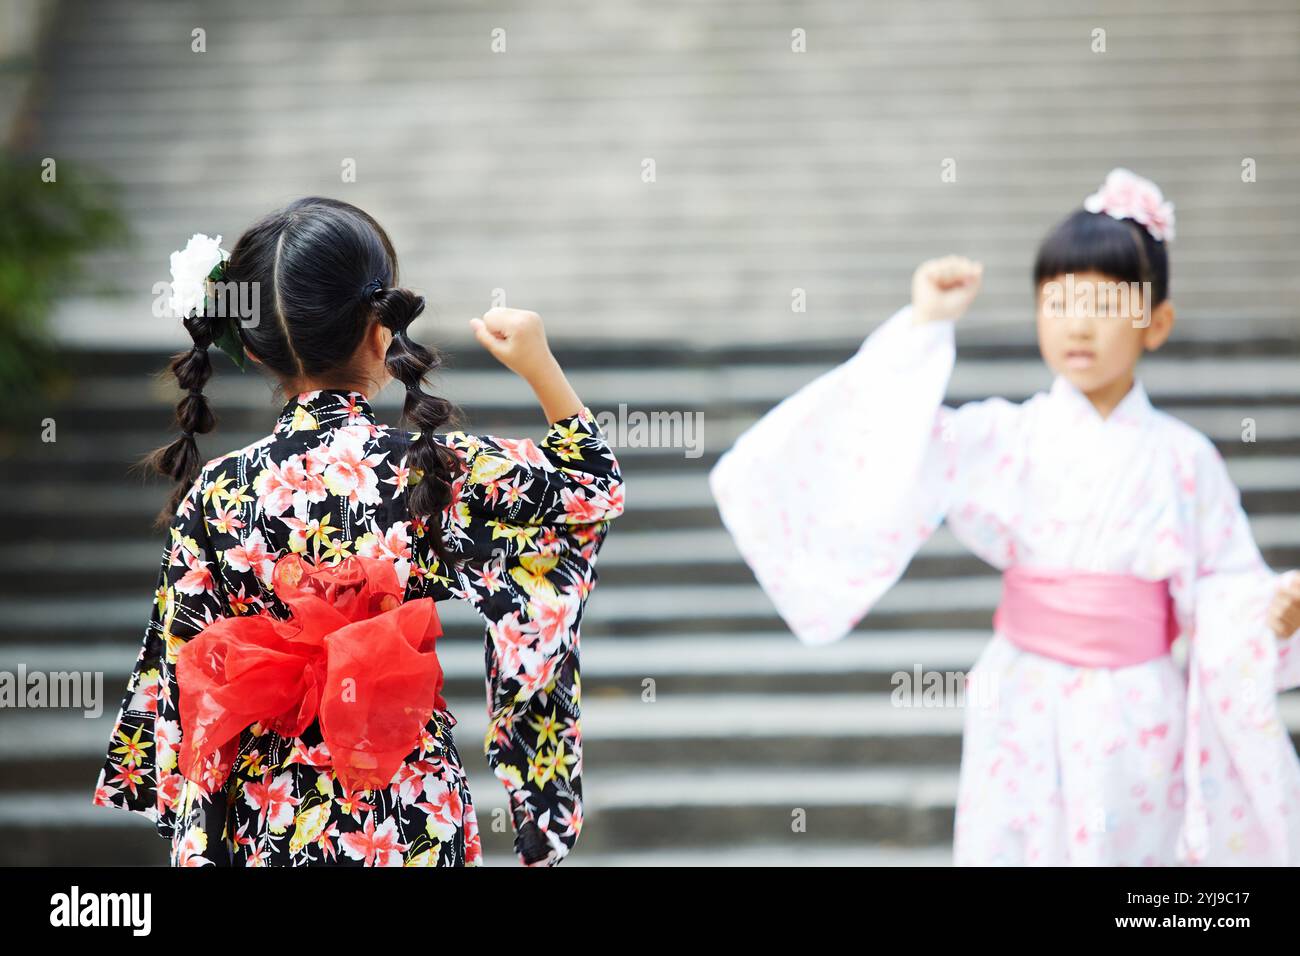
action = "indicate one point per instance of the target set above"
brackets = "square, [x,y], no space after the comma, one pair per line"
[526,523]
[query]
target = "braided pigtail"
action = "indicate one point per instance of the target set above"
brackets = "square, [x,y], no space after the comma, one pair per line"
[411,363]
[180,459]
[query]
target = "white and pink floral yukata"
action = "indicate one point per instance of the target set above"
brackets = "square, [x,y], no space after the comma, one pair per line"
[1180,759]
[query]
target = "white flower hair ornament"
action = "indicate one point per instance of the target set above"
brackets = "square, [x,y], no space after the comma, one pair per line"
[194,269]
[1126,195]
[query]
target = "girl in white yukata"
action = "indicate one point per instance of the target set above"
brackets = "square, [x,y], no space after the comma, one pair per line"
[1117,530]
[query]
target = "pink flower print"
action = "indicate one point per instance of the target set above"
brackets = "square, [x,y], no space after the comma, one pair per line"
[444,807]
[350,472]
[525,451]
[253,556]
[190,851]
[147,693]
[511,638]
[318,756]
[488,577]
[198,579]
[377,846]
[227,520]
[511,492]
[401,475]
[352,407]
[537,675]
[167,740]
[169,792]
[274,801]
[570,818]
[554,622]
[274,487]
[579,508]
[392,545]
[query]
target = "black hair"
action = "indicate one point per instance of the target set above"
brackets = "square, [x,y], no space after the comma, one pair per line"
[325,271]
[1096,242]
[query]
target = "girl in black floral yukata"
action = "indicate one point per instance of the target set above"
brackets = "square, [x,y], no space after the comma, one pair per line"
[508,525]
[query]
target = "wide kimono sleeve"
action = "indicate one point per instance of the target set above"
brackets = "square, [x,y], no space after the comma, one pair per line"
[831,493]
[1236,665]
[139,773]
[529,522]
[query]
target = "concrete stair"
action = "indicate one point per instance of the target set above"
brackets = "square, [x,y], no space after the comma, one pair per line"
[775,171]
[743,725]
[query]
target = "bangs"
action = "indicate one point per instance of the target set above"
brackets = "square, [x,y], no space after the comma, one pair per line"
[1096,242]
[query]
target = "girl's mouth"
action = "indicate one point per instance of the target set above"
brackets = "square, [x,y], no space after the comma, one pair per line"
[1079,358]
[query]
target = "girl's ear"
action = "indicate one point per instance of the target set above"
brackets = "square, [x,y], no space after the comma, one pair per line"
[1160,327]
[378,338]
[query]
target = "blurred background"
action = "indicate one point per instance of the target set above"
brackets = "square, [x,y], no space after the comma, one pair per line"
[710,204]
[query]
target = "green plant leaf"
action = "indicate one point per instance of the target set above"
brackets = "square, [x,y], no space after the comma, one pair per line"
[229,342]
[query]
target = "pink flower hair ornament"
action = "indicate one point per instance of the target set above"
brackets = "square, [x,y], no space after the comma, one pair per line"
[1126,195]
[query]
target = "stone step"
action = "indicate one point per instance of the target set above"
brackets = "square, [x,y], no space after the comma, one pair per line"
[1268,486]
[622,609]
[615,669]
[112,566]
[884,726]
[712,430]
[731,807]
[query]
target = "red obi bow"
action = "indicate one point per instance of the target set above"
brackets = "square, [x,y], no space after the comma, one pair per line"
[352,654]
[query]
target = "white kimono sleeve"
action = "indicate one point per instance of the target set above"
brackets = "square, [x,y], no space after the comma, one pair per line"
[833,491]
[1234,728]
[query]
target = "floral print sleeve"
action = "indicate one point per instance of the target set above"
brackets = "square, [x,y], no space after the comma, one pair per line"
[140,772]
[529,520]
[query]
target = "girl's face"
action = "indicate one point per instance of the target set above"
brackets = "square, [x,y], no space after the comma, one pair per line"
[1092,329]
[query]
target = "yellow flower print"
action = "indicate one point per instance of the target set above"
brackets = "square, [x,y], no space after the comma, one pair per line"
[521,535]
[308,826]
[566,441]
[133,748]
[509,774]
[185,543]
[542,767]
[239,496]
[488,468]
[563,760]
[325,784]
[252,763]
[303,420]
[531,575]
[335,550]
[546,726]
[171,642]
[319,532]
[427,857]
[216,489]
[463,515]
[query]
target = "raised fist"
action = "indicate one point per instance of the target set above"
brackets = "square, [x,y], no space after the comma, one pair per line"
[944,288]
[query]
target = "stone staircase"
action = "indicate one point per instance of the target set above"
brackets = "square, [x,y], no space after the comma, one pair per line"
[775,171]
[743,726]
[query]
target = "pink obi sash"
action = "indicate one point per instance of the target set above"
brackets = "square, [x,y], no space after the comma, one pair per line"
[1086,618]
